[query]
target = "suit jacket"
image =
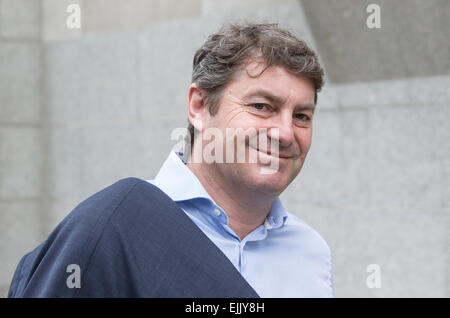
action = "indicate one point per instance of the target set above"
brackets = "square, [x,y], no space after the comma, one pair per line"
[128,240]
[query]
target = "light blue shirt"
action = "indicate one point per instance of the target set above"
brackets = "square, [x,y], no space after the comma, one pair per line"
[284,257]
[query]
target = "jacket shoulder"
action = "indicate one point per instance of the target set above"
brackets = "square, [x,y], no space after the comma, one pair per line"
[43,272]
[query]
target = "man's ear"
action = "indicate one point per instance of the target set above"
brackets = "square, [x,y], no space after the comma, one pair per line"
[197,111]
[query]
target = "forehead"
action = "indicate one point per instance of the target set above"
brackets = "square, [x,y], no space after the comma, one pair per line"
[249,80]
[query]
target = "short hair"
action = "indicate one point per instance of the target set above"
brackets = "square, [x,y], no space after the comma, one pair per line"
[232,47]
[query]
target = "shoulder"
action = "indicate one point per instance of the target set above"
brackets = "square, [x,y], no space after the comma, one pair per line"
[43,271]
[100,209]
[88,218]
[314,245]
[108,198]
[306,232]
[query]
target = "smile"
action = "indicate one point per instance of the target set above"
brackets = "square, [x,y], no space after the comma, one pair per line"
[268,153]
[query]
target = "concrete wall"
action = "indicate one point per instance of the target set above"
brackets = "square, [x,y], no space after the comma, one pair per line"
[21,133]
[81,108]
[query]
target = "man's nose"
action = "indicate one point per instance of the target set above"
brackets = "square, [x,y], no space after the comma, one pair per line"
[284,130]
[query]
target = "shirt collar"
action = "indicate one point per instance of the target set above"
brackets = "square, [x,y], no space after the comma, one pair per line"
[178,181]
[180,184]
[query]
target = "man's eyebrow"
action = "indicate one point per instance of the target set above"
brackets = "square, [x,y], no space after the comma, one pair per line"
[277,99]
[265,94]
[310,107]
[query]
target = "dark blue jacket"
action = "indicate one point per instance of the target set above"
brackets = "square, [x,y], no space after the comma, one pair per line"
[128,240]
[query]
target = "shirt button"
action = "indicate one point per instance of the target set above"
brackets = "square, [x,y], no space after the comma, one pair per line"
[217,212]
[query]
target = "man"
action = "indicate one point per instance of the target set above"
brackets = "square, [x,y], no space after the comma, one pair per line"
[218,228]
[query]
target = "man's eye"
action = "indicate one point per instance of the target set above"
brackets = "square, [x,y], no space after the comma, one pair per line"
[259,106]
[302,117]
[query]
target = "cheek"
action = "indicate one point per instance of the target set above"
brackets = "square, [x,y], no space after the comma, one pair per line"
[239,118]
[228,117]
[304,140]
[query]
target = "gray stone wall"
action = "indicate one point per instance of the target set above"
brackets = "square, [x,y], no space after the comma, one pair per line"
[21,133]
[81,108]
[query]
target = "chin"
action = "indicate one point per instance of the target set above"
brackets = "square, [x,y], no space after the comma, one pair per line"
[270,183]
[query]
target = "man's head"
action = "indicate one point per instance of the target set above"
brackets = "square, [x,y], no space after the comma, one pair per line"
[257,76]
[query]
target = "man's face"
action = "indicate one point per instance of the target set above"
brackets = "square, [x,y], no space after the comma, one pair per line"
[275,99]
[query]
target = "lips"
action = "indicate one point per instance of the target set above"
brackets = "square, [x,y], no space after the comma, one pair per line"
[269,153]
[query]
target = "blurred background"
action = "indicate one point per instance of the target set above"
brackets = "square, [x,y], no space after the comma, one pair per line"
[82,108]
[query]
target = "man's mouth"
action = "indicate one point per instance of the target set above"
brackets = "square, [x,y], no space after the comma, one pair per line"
[273,154]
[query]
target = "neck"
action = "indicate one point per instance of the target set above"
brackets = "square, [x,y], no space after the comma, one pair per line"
[246,208]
